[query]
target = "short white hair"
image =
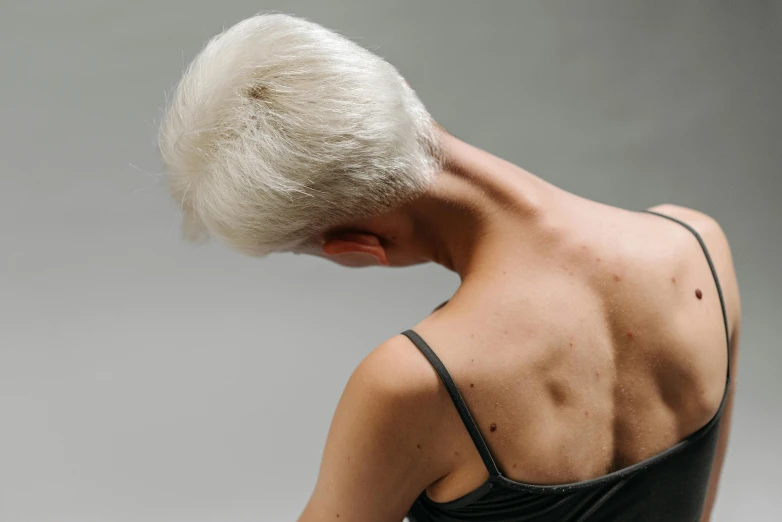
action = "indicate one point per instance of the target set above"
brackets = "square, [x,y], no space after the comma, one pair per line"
[281,129]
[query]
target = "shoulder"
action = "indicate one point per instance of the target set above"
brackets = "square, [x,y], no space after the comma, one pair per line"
[707,226]
[397,387]
[713,234]
[401,404]
[381,449]
[397,369]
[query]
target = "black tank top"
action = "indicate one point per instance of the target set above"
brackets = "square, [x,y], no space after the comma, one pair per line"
[670,486]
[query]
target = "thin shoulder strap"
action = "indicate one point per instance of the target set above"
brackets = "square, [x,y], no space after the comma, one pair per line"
[713,273]
[456,397]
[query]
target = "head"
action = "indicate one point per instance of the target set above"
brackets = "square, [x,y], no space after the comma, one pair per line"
[283,136]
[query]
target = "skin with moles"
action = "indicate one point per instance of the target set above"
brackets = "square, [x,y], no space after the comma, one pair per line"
[584,338]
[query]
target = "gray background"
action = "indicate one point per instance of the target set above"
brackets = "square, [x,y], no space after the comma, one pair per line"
[143,379]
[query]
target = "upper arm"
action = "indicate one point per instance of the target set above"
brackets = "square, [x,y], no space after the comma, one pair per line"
[379,451]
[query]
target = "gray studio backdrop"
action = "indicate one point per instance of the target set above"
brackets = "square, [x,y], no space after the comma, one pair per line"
[143,379]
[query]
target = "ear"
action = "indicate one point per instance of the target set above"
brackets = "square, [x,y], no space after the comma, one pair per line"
[355,243]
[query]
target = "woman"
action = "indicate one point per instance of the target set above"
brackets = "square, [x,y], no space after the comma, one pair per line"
[582,371]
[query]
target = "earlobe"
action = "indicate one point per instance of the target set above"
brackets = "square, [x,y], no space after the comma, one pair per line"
[356,243]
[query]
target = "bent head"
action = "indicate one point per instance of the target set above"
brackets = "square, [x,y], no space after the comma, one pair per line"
[283,136]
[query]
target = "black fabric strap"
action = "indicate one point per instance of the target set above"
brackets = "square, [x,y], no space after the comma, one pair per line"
[456,397]
[713,273]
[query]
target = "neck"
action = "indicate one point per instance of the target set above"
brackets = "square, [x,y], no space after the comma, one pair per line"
[479,209]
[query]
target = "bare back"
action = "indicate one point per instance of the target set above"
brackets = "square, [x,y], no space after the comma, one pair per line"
[604,350]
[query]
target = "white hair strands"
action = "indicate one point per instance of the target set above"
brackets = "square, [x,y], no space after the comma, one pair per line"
[280,129]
